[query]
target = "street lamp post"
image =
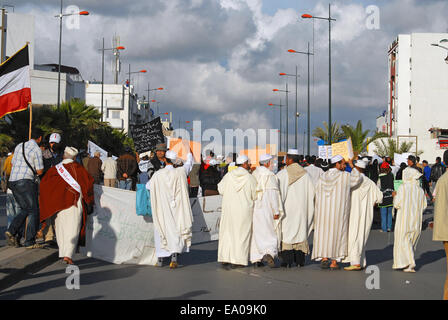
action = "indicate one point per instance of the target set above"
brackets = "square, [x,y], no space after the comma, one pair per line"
[60,16]
[287,113]
[129,88]
[280,112]
[308,53]
[102,72]
[296,116]
[329,19]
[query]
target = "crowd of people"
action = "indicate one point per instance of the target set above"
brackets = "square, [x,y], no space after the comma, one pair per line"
[268,211]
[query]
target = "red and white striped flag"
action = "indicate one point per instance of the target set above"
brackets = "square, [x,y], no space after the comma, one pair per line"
[15,88]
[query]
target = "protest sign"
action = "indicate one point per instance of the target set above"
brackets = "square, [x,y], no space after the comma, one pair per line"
[116,234]
[325,152]
[92,148]
[401,158]
[343,148]
[147,136]
[182,148]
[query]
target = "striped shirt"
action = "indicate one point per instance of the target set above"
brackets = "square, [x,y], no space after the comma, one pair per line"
[20,170]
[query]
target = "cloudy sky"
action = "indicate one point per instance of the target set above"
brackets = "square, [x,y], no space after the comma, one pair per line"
[219,59]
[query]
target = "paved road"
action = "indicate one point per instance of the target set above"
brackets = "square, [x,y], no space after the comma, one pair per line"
[201,277]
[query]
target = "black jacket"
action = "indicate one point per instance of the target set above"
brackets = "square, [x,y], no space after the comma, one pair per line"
[437,171]
[209,178]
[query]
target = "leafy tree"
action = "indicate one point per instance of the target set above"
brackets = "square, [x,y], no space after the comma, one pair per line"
[390,147]
[76,122]
[360,141]
[336,133]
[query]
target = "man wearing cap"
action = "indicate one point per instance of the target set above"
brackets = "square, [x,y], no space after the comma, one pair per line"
[268,211]
[238,188]
[297,192]
[363,199]
[332,210]
[66,191]
[52,155]
[159,161]
[171,209]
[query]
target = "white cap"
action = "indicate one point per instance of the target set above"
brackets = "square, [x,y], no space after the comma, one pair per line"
[232,164]
[213,162]
[293,152]
[71,151]
[220,157]
[171,155]
[361,164]
[265,157]
[336,158]
[241,159]
[55,137]
[10,153]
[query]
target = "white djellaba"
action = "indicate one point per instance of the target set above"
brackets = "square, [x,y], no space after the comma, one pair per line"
[410,201]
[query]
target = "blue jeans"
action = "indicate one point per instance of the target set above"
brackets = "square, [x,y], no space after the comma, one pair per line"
[26,195]
[125,184]
[386,218]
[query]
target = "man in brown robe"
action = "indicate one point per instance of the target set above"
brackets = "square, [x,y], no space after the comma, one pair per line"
[66,191]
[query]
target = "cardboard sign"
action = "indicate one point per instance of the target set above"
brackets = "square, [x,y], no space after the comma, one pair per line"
[147,136]
[344,149]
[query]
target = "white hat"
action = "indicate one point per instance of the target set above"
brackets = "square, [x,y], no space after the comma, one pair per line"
[265,157]
[361,164]
[213,162]
[55,137]
[220,157]
[232,164]
[171,155]
[293,152]
[336,159]
[71,151]
[242,159]
[10,153]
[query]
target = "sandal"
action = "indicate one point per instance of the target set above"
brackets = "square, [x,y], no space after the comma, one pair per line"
[325,264]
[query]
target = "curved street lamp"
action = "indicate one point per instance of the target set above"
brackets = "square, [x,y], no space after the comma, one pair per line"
[329,19]
[60,16]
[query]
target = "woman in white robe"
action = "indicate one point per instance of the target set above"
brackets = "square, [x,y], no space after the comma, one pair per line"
[411,202]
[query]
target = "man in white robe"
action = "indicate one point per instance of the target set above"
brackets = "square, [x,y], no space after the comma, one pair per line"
[171,209]
[363,199]
[314,171]
[238,188]
[410,200]
[297,192]
[267,214]
[332,211]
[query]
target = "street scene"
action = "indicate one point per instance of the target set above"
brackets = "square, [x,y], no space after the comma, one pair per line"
[224,150]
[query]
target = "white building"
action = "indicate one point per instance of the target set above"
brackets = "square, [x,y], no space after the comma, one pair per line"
[418,93]
[116,104]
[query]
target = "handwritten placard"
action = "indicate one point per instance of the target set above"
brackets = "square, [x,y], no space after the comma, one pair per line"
[147,136]
[343,148]
[325,152]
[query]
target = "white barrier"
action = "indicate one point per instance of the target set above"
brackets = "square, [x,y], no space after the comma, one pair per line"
[115,233]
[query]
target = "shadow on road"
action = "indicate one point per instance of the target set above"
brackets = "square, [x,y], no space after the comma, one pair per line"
[91,278]
[429,257]
[185,296]
[381,255]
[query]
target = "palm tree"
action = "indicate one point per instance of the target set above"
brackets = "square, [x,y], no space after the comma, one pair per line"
[389,148]
[360,141]
[76,121]
[322,133]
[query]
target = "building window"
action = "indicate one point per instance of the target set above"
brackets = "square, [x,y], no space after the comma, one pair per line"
[115,114]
